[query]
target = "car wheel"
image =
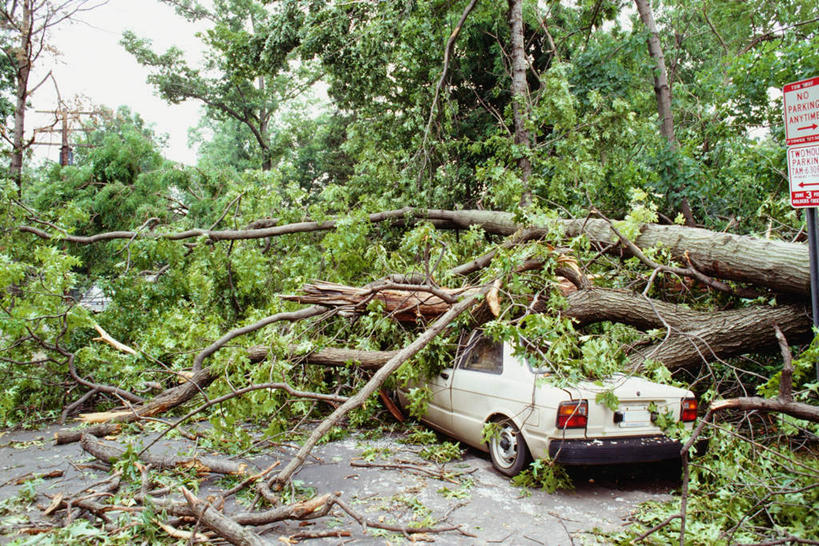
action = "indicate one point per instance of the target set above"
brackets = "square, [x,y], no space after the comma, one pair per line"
[508,449]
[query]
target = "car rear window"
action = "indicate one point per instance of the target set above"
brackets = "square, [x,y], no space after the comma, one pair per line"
[484,356]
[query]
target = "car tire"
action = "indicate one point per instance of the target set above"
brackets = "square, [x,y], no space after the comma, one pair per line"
[507,449]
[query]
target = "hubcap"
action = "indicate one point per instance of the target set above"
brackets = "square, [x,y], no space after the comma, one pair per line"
[505,446]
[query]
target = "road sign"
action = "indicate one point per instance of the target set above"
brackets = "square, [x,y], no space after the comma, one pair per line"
[801,129]
[803,173]
[801,111]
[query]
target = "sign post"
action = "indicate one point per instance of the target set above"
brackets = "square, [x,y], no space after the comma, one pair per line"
[801,101]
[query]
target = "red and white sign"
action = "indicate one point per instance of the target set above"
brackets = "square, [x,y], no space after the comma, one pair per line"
[803,173]
[801,111]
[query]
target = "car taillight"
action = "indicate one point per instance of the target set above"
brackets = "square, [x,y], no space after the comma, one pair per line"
[573,414]
[688,412]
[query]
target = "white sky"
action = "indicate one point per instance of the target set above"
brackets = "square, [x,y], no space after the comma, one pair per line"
[94,65]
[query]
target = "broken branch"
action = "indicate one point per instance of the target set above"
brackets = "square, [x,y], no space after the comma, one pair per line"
[329,398]
[110,453]
[221,524]
[105,337]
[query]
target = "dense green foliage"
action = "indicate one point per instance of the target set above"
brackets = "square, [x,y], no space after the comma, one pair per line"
[374,145]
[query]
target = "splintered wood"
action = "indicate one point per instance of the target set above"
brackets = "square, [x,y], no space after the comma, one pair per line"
[406,303]
[402,305]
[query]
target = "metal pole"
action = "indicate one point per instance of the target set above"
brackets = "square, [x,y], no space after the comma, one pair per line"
[813,248]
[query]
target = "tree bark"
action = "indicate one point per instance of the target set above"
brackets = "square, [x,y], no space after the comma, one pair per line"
[109,453]
[450,44]
[330,356]
[755,403]
[695,337]
[224,526]
[403,304]
[520,96]
[237,332]
[780,266]
[308,509]
[75,435]
[662,88]
[264,129]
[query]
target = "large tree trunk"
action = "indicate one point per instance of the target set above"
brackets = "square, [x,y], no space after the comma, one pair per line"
[777,265]
[782,267]
[692,337]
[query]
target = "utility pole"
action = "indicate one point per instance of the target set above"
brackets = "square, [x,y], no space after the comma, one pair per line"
[66,153]
[64,117]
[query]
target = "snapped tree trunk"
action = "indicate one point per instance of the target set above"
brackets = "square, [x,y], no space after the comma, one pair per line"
[687,338]
[403,305]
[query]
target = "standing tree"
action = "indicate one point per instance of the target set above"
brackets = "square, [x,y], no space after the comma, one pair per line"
[662,90]
[246,74]
[520,95]
[26,25]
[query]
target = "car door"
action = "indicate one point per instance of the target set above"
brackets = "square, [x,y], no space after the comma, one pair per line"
[478,371]
[439,406]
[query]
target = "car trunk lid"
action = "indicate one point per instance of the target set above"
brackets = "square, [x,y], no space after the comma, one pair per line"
[637,400]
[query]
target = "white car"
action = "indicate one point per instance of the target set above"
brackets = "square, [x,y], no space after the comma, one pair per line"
[534,419]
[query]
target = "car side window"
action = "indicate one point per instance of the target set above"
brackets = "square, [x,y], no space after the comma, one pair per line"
[485,356]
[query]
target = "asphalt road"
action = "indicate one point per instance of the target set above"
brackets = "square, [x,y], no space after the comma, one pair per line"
[385,480]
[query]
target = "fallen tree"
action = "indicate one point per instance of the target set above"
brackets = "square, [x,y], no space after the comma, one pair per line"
[692,337]
[777,265]
[675,335]
[734,288]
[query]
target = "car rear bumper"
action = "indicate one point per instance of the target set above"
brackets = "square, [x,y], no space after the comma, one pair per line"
[638,449]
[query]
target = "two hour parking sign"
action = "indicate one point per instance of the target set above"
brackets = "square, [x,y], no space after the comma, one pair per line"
[803,174]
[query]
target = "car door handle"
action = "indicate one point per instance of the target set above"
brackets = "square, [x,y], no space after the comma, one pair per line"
[445,375]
